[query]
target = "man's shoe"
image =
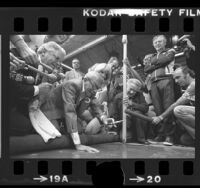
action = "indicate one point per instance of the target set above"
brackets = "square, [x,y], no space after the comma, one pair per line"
[151,141]
[168,141]
[159,138]
[143,142]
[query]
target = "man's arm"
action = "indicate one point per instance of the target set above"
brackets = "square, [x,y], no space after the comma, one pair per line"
[181,101]
[141,106]
[25,52]
[184,99]
[68,95]
[162,61]
[165,59]
[149,68]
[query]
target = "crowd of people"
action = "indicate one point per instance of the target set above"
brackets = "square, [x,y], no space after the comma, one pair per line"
[74,103]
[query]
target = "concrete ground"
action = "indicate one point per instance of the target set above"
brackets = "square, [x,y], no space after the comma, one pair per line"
[118,150]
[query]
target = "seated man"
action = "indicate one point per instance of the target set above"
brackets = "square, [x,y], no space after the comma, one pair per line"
[136,102]
[70,100]
[184,107]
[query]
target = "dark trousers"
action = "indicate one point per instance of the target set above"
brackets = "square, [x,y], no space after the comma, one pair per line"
[162,93]
[137,127]
[20,124]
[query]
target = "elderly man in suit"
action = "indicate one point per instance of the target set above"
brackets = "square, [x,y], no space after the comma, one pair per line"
[70,101]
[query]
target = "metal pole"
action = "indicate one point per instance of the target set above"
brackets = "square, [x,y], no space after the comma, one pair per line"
[66,66]
[124,41]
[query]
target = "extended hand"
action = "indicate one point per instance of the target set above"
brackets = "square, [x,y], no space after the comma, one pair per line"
[86,149]
[156,120]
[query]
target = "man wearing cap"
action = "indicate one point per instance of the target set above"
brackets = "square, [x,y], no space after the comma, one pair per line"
[70,100]
[135,101]
[75,73]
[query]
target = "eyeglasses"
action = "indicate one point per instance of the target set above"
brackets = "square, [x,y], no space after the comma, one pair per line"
[114,67]
[132,91]
[95,88]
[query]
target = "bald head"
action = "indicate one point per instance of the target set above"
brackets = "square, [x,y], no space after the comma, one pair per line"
[182,76]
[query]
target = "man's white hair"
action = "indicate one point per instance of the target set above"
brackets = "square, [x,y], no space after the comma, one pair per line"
[156,36]
[52,47]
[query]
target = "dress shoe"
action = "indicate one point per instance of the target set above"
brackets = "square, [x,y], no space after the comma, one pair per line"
[151,141]
[168,141]
[143,142]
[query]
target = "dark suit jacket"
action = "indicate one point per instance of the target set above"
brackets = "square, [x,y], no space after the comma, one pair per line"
[139,104]
[68,101]
[19,95]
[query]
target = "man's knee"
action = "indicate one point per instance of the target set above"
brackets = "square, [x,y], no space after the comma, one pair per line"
[86,116]
[178,111]
[93,127]
[186,139]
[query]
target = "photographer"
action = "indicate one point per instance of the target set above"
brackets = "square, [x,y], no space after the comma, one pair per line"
[28,55]
[20,94]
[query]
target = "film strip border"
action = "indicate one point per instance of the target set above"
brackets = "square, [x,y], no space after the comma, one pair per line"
[115,25]
[44,21]
[155,172]
[74,20]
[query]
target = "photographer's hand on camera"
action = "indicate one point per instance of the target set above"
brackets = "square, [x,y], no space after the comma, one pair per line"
[189,44]
[25,52]
[15,63]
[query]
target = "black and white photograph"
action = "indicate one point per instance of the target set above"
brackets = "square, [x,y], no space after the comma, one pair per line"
[102,96]
[0,97]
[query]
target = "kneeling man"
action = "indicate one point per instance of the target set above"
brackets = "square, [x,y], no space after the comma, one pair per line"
[71,101]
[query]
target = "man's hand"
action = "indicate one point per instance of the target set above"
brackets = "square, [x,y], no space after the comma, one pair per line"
[104,119]
[189,44]
[110,123]
[52,78]
[15,63]
[157,120]
[29,55]
[86,149]
[127,102]
[44,88]
[126,61]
